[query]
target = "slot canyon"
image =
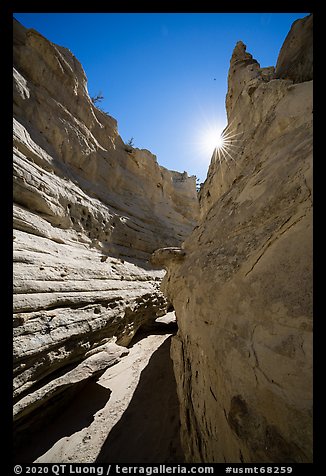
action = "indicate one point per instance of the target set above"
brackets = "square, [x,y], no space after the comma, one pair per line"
[155,323]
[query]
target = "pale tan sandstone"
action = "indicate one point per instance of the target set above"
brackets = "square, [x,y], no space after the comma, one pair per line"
[88,212]
[95,362]
[163,256]
[295,60]
[243,290]
[115,418]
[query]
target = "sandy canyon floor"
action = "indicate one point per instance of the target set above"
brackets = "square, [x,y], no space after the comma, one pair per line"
[129,414]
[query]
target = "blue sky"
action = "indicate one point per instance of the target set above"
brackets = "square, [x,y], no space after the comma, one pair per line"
[156,71]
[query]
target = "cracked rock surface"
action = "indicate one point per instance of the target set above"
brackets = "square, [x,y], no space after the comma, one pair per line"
[243,290]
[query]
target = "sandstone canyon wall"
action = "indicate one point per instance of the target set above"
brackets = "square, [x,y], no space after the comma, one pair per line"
[88,212]
[242,283]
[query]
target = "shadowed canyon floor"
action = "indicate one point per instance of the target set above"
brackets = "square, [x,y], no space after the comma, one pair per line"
[88,212]
[91,428]
[95,223]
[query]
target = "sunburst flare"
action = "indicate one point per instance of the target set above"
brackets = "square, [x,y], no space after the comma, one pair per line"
[227,145]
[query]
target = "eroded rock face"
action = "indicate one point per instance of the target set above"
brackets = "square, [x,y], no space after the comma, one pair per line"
[243,290]
[88,212]
[295,60]
[163,256]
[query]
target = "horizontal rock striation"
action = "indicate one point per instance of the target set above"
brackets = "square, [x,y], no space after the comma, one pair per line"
[242,292]
[88,212]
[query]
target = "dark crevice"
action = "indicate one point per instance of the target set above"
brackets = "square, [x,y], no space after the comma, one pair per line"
[64,415]
[154,329]
[210,389]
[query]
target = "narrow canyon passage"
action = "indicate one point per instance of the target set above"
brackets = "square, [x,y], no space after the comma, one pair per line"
[107,243]
[149,429]
[129,414]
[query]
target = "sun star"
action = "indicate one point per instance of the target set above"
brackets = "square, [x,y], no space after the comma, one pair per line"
[212,140]
[219,142]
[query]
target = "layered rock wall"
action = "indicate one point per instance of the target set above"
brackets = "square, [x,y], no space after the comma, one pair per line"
[242,283]
[88,212]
